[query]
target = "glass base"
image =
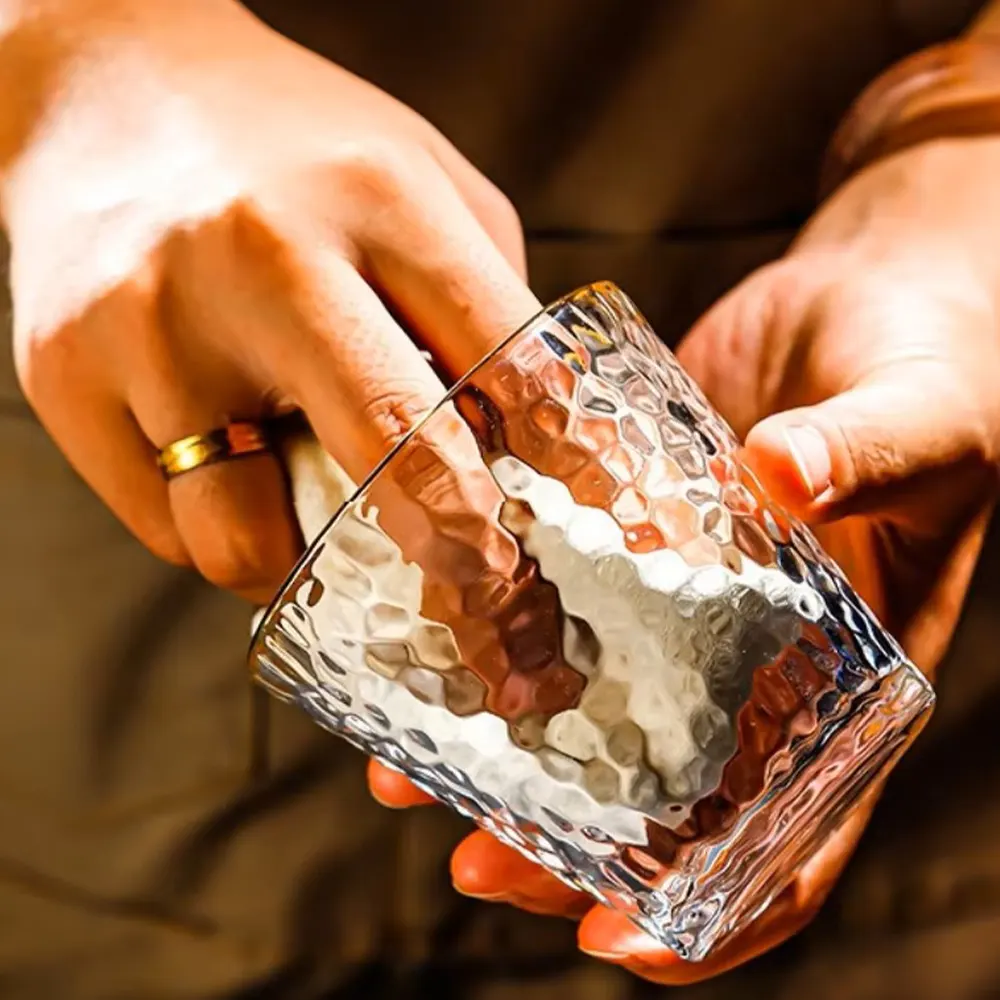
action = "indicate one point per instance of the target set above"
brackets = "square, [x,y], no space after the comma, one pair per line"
[724,884]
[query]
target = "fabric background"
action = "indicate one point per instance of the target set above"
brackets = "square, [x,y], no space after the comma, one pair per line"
[166,833]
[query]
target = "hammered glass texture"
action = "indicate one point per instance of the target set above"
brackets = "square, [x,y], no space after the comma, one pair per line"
[565,609]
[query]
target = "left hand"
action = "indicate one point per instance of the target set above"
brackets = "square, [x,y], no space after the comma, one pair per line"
[863,371]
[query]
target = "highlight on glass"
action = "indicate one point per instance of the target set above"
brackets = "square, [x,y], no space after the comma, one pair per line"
[563,607]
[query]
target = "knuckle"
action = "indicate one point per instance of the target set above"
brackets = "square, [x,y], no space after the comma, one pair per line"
[395,410]
[982,451]
[72,343]
[251,226]
[237,563]
[977,438]
[982,409]
[753,307]
[499,209]
[165,544]
[248,216]
[41,358]
[975,420]
[786,286]
[878,460]
[864,453]
[374,170]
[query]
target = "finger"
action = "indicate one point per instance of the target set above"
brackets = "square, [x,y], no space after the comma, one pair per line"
[432,258]
[360,380]
[868,446]
[363,384]
[114,457]
[234,517]
[488,204]
[392,789]
[301,326]
[610,936]
[739,351]
[774,342]
[236,521]
[484,868]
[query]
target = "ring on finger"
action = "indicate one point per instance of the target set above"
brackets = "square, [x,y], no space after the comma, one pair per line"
[221,444]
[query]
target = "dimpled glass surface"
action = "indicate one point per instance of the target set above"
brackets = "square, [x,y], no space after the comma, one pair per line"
[564,608]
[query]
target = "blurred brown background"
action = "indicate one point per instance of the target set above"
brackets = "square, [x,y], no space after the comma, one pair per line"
[164,833]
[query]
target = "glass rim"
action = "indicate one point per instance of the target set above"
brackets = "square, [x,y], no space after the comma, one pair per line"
[453,390]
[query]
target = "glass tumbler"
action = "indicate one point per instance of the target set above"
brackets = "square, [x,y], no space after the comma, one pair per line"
[563,607]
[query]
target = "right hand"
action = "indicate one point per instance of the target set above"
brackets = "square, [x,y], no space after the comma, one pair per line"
[210,223]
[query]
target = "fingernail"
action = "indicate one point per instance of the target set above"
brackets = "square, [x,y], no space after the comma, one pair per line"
[612,957]
[485,897]
[663,960]
[607,951]
[631,947]
[809,450]
[385,803]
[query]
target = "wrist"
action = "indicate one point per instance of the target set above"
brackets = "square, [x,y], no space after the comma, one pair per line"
[948,91]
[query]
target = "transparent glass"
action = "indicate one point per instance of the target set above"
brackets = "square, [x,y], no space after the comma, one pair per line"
[564,608]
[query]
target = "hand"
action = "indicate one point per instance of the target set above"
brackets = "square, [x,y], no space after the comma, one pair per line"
[210,223]
[863,371]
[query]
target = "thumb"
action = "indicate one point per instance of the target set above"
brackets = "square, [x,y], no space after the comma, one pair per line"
[868,448]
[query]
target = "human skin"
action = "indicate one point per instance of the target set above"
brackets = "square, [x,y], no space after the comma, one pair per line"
[268,224]
[863,370]
[265,221]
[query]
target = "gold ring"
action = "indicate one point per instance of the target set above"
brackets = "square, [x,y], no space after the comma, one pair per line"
[219,445]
